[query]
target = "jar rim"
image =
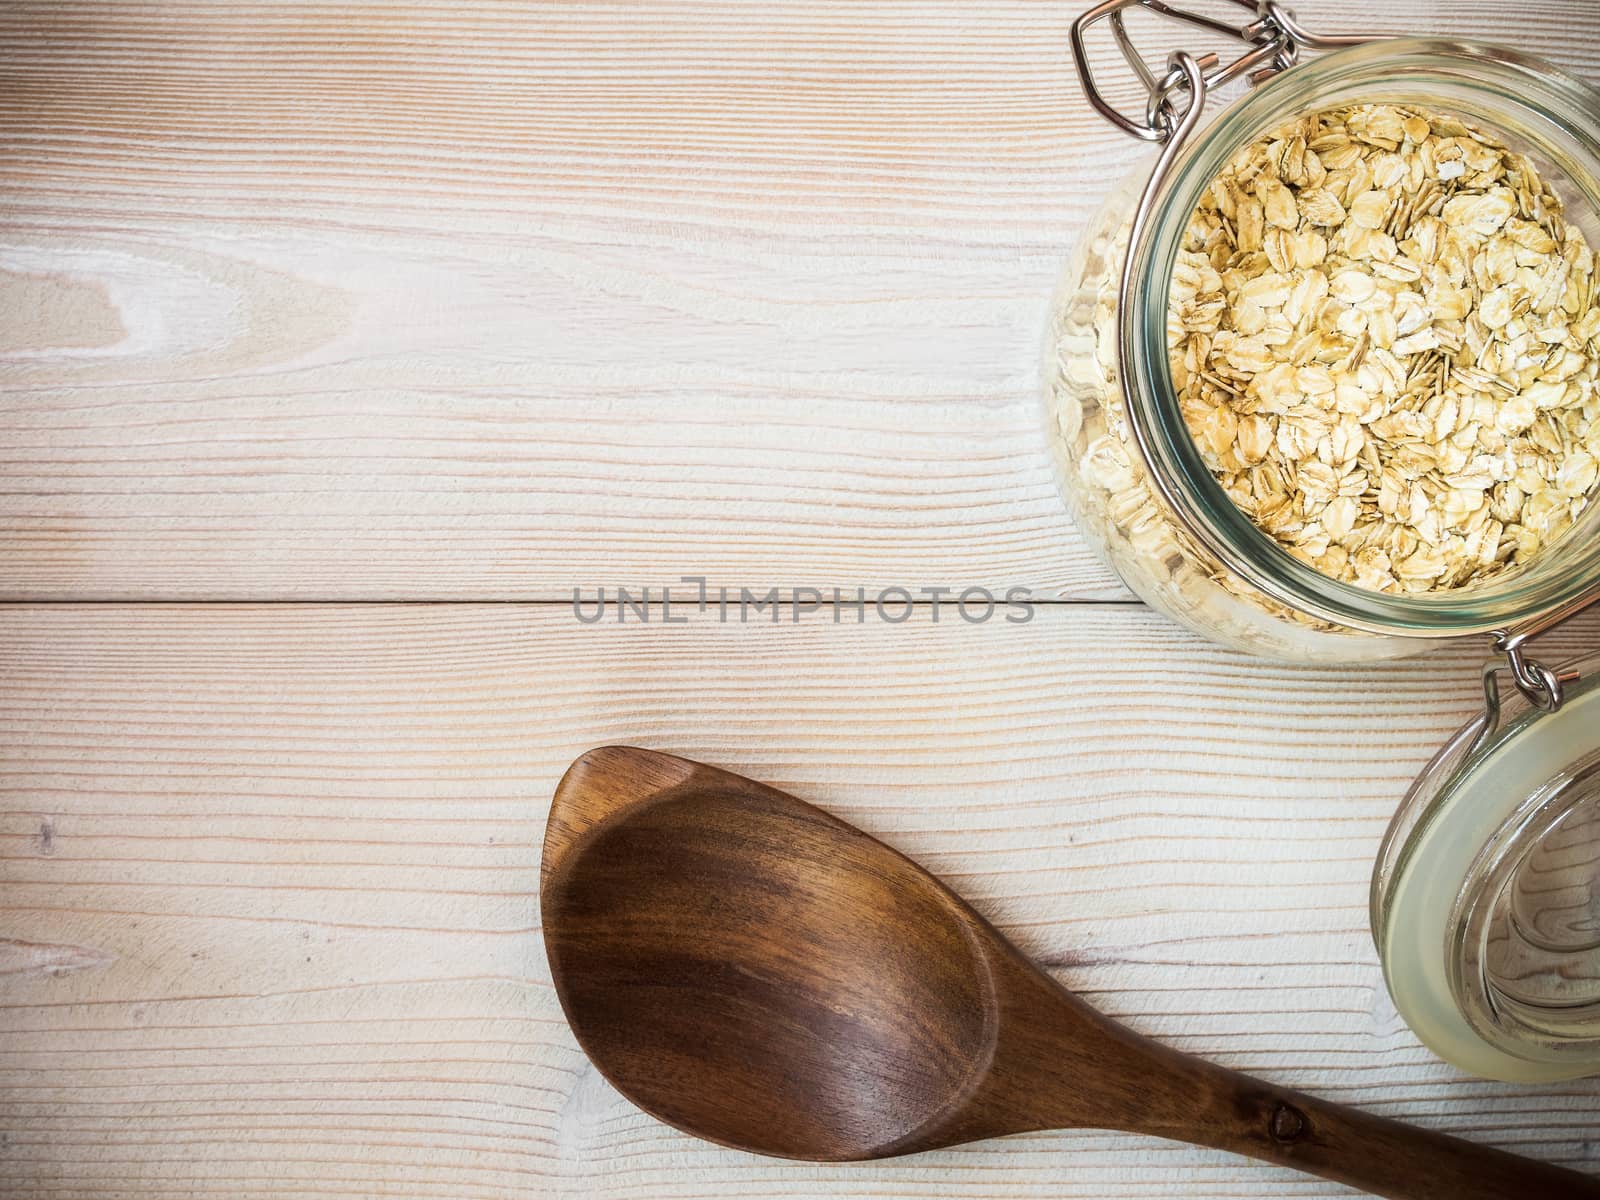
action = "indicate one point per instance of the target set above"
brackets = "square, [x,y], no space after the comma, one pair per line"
[1491,85]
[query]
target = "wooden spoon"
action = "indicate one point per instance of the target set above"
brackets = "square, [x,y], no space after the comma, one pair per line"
[753,971]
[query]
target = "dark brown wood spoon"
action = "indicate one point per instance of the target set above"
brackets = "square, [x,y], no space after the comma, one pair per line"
[755,972]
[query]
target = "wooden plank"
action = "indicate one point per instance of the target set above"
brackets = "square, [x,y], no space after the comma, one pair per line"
[384,300]
[268,919]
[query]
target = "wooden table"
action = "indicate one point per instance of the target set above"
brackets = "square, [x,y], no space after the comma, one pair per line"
[343,341]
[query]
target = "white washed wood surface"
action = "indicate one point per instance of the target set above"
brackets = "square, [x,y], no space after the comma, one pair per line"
[268,918]
[401,300]
[415,300]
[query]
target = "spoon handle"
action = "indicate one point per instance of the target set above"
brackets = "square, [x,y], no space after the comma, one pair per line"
[1377,1155]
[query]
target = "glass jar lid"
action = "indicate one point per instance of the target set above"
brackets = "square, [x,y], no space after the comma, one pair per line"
[1486,895]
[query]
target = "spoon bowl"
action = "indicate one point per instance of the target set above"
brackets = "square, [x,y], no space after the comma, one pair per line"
[756,972]
[842,1042]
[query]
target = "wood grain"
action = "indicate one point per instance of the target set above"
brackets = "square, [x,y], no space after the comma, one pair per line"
[287,860]
[406,300]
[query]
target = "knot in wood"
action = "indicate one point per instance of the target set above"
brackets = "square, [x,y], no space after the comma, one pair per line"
[1287,1123]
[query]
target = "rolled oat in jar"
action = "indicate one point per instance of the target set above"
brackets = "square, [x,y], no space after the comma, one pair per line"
[1351,405]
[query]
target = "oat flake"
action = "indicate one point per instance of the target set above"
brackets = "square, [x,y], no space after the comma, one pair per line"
[1386,343]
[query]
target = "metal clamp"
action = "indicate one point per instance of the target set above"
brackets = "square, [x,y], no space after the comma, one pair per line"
[1543,687]
[1274,36]
[1272,48]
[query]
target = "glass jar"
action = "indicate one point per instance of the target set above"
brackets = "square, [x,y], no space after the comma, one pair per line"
[1486,895]
[1127,466]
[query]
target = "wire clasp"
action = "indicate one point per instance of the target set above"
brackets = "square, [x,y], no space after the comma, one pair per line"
[1273,35]
[1544,687]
